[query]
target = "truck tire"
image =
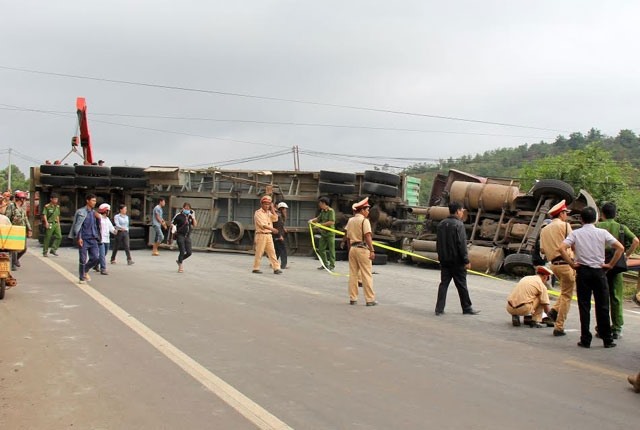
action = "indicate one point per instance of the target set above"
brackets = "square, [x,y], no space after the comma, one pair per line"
[342,255]
[127,171]
[137,232]
[381,177]
[92,181]
[519,265]
[380,189]
[128,183]
[135,244]
[329,188]
[337,177]
[92,170]
[553,187]
[380,259]
[57,169]
[57,180]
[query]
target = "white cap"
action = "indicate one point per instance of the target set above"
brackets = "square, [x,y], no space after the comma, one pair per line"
[283,205]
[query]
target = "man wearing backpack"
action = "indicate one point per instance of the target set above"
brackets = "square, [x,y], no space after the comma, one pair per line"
[616,284]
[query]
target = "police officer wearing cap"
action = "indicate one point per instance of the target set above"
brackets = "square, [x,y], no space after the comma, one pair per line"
[361,253]
[264,230]
[551,238]
[51,222]
[279,238]
[529,298]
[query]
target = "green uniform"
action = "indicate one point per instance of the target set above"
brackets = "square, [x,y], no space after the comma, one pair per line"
[51,213]
[327,245]
[616,284]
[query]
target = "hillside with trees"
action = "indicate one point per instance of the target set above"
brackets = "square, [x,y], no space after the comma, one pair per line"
[607,167]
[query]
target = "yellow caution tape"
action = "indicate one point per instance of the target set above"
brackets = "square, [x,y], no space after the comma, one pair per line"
[399,251]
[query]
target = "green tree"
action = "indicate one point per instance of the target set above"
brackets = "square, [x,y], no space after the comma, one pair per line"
[18,180]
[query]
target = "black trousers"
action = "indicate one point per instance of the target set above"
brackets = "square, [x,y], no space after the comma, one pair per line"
[593,281]
[184,246]
[121,242]
[459,275]
[281,252]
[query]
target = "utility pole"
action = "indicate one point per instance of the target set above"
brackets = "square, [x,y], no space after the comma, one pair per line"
[9,173]
[296,158]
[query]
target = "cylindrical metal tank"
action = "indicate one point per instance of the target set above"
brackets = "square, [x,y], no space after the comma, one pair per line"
[485,259]
[489,197]
[423,245]
[435,213]
[431,257]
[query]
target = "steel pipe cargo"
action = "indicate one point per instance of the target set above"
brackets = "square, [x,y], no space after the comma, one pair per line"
[489,197]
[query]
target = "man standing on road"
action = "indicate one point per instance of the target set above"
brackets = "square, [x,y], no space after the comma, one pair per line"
[18,216]
[454,259]
[615,282]
[264,230]
[361,253]
[589,243]
[158,224]
[86,233]
[185,221]
[551,238]
[51,222]
[280,238]
[327,245]
[529,298]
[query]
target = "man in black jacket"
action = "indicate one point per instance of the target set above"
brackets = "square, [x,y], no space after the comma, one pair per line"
[454,260]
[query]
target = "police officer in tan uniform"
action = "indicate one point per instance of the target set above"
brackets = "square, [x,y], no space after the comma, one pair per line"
[264,219]
[529,298]
[361,253]
[551,238]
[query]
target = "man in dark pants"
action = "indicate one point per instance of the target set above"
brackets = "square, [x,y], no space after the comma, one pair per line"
[185,222]
[589,243]
[454,260]
[85,231]
[280,238]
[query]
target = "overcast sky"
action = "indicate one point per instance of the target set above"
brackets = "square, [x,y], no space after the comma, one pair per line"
[556,66]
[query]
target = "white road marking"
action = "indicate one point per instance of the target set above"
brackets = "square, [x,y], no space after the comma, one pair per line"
[234,398]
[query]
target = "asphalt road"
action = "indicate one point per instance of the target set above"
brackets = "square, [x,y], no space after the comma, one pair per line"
[218,347]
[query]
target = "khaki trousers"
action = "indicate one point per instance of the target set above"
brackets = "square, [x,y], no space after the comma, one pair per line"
[534,308]
[264,243]
[567,277]
[360,269]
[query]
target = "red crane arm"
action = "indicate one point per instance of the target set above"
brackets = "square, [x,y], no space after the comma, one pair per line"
[85,137]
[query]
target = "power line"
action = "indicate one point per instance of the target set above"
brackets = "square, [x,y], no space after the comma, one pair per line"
[279,99]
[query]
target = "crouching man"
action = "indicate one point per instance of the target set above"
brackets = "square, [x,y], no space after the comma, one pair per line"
[529,298]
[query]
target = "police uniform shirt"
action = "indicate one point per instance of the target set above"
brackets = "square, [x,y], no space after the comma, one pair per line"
[264,221]
[527,290]
[51,212]
[551,238]
[357,227]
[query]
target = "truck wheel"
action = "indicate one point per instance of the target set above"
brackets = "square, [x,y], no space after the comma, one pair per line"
[380,189]
[128,183]
[329,188]
[56,180]
[553,187]
[92,181]
[92,170]
[127,171]
[380,259]
[3,287]
[337,177]
[519,265]
[57,169]
[137,232]
[381,177]
[135,244]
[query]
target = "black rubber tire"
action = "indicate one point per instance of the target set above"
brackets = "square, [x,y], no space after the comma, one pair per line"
[127,171]
[135,244]
[342,255]
[327,187]
[65,228]
[380,259]
[379,189]
[92,170]
[519,265]
[137,232]
[381,177]
[3,287]
[92,181]
[553,187]
[57,180]
[58,169]
[128,183]
[337,177]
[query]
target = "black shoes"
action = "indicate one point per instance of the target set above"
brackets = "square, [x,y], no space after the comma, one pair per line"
[559,333]
[438,313]
[374,303]
[582,344]
[553,314]
[104,272]
[44,254]
[52,252]
[353,302]
[256,271]
[548,321]
[515,320]
[470,312]
[277,272]
[610,345]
